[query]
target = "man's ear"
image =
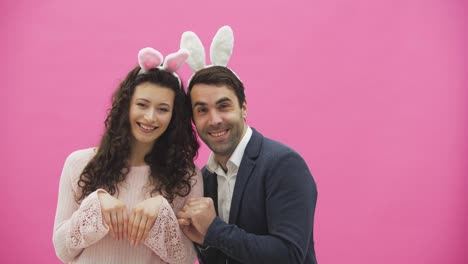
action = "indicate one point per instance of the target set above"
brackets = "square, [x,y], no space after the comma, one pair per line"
[244,110]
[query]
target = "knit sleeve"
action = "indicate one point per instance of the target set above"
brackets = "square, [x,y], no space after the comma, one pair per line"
[166,238]
[76,226]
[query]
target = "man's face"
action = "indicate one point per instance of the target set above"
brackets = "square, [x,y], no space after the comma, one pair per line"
[219,120]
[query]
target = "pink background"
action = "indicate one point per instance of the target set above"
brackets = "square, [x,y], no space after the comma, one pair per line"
[373,94]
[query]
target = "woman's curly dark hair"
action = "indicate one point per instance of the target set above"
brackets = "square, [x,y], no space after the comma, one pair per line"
[172,155]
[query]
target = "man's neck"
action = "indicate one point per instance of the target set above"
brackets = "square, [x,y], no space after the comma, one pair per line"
[222,161]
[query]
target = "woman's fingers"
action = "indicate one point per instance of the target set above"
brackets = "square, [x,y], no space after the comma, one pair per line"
[125,223]
[107,220]
[114,213]
[131,220]
[134,228]
[115,227]
[141,230]
[149,225]
[120,222]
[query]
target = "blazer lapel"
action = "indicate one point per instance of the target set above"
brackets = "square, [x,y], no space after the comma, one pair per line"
[245,171]
[210,188]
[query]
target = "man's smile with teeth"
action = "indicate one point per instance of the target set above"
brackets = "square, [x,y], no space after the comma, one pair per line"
[146,127]
[218,134]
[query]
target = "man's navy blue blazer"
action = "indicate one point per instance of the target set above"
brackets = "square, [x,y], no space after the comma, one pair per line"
[272,211]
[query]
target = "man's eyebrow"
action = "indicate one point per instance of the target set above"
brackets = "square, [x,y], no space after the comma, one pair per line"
[224,99]
[221,100]
[198,103]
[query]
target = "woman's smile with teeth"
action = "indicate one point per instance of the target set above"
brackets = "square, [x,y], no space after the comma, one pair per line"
[218,134]
[146,127]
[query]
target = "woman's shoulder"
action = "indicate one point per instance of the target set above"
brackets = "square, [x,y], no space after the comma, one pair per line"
[76,162]
[195,175]
[81,155]
[196,183]
[78,159]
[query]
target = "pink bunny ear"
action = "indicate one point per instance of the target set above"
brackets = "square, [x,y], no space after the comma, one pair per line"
[149,58]
[175,60]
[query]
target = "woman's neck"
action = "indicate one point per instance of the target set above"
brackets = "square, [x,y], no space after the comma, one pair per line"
[138,153]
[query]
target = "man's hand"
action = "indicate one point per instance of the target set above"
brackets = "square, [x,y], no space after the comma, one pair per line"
[196,217]
[190,231]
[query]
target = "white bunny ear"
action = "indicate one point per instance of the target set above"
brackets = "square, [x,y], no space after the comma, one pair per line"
[221,46]
[149,58]
[192,43]
[175,60]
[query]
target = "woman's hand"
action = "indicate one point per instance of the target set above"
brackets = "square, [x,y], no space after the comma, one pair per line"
[142,219]
[114,213]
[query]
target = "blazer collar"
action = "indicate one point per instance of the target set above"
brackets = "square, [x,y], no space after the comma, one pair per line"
[247,165]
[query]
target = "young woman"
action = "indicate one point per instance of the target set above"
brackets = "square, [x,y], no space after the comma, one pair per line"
[117,202]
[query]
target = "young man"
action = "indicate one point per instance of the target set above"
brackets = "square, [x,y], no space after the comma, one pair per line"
[259,194]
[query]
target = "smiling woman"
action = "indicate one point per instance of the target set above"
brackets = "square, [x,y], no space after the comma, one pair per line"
[118,201]
[151,110]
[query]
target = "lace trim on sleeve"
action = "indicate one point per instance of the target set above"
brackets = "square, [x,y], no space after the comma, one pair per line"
[165,238]
[86,226]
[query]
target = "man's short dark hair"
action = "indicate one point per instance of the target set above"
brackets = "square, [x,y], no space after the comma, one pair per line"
[219,76]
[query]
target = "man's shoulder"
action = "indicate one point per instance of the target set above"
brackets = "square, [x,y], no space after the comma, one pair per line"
[275,144]
[205,172]
[273,148]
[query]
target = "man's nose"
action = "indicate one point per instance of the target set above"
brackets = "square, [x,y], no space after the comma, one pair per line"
[215,118]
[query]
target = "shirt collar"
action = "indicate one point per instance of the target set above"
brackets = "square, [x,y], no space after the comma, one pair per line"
[234,161]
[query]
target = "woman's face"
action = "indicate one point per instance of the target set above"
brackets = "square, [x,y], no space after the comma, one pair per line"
[151,109]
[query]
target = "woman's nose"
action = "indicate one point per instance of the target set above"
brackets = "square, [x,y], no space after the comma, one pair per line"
[150,115]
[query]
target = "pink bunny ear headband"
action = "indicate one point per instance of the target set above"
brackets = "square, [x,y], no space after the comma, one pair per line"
[149,58]
[220,50]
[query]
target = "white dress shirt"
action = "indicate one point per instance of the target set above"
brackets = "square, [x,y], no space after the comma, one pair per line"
[227,181]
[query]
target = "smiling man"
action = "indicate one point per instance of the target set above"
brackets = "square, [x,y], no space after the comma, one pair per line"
[260,197]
